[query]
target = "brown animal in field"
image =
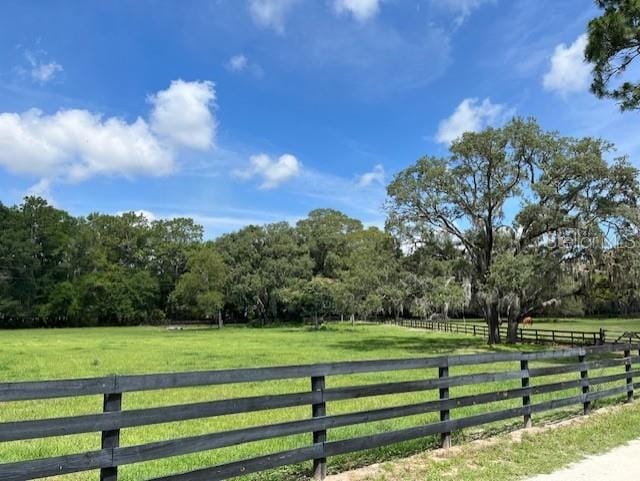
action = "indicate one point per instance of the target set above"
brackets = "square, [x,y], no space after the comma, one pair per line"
[527,321]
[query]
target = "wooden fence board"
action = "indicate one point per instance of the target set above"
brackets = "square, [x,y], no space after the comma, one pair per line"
[109,423]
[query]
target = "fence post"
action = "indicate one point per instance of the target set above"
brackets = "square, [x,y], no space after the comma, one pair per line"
[111,439]
[526,398]
[584,376]
[521,335]
[627,368]
[602,336]
[443,374]
[319,410]
[537,337]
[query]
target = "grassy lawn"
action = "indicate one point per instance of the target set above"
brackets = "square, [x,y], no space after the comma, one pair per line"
[51,354]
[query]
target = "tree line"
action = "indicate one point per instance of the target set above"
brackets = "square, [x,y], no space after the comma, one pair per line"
[60,270]
[513,222]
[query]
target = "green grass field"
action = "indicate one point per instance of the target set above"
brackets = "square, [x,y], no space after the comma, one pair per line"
[70,353]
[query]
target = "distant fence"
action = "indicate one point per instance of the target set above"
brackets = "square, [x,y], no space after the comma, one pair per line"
[531,335]
[581,361]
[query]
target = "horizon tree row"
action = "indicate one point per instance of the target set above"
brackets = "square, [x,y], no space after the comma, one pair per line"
[513,222]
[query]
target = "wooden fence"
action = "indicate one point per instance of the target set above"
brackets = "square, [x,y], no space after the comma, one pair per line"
[531,335]
[111,455]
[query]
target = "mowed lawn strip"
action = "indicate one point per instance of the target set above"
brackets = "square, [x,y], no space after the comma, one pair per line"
[505,460]
[70,353]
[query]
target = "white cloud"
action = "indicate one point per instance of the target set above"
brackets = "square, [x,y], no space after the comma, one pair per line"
[45,71]
[471,116]
[183,115]
[238,63]
[77,144]
[147,214]
[272,172]
[362,10]
[377,175]
[569,72]
[271,13]
[462,8]
[42,188]
[74,145]
[340,192]
[41,71]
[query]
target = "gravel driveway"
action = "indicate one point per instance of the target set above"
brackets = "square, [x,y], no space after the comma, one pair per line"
[620,464]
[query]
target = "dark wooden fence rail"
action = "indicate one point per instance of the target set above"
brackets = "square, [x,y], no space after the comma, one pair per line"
[531,335]
[111,455]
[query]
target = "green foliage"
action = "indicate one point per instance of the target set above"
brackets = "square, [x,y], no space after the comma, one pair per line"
[199,293]
[565,188]
[325,233]
[316,298]
[117,296]
[370,268]
[263,261]
[34,256]
[614,43]
[454,244]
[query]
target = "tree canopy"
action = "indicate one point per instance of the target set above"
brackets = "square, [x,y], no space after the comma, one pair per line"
[513,198]
[512,222]
[613,46]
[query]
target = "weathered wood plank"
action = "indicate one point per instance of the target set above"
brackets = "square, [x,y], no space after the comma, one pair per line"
[368,390]
[59,465]
[14,391]
[21,391]
[577,367]
[319,410]
[147,452]
[146,382]
[367,442]
[612,377]
[17,430]
[111,438]
[247,466]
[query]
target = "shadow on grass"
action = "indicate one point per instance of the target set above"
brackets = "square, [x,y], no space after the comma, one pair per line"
[420,345]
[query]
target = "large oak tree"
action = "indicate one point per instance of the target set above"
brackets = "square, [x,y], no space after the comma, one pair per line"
[516,199]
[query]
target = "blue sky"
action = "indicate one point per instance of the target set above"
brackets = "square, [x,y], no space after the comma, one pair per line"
[252,111]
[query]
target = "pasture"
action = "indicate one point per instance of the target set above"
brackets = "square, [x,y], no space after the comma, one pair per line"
[56,354]
[594,324]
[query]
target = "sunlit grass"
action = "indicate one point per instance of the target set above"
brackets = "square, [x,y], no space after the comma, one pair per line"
[71,353]
[538,453]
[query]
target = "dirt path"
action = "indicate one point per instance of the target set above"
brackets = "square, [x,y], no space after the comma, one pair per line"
[620,464]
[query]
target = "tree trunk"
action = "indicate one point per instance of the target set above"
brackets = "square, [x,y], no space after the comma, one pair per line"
[263,312]
[512,331]
[220,321]
[315,321]
[493,322]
